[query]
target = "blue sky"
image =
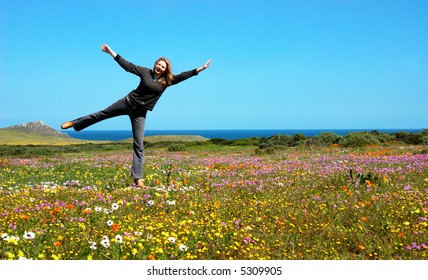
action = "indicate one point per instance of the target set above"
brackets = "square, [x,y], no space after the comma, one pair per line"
[285,64]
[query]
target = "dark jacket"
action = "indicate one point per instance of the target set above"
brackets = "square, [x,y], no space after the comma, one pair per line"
[148,91]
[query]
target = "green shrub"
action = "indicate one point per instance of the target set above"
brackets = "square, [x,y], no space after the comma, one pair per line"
[382,136]
[221,141]
[177,148]
[326,139]
[358,139]
[408,138]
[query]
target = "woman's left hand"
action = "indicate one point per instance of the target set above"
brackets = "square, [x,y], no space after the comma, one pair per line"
[206,65]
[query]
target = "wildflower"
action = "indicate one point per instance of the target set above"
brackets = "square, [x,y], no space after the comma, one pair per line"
[423,246]
[183,248]
[119,238]
[105,242]
[29,235]
[171,240]
[134,251]
[93,245]
[57,243]
[170,202]
[364,219]
[152,257]
[109,223]
[114,206]
[98,209]
[114,227]
[415,246]
[150,203]
[5,237]
[87,211]
[408,248]
[361,247]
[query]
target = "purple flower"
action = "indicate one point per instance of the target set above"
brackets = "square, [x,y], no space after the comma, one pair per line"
[408,248]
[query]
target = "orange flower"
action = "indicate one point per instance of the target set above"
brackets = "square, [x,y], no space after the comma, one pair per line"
[54,211]
[217,204]
[364,219]
[114,227]
[401,234]
[24,217]
[86,211]
[361,247]
[70,206]
[57,243]
[151,257]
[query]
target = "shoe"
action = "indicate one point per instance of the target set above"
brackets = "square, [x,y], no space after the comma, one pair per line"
[139,183]
[67,125]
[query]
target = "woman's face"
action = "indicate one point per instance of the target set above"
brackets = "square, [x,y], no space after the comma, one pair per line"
[160,67]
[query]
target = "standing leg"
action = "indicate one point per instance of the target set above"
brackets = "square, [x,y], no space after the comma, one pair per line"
[118,108]
[138,120]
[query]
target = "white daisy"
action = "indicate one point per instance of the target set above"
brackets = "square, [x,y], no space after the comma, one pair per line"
[119,238]
[170,202]
[5,237]
[183,248]
[150,203]
[109,223]
[171,239]
[105,242]
[29,235]
[98,209]
[114,206]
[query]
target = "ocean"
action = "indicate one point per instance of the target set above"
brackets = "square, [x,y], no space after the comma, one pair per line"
[111,135]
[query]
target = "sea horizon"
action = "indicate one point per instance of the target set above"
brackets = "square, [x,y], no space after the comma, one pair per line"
[230,134]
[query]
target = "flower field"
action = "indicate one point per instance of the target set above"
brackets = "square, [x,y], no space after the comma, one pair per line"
[327,203]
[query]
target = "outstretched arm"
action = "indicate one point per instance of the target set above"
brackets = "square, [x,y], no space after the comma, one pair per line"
[206,65]
[105,48]
[128,66]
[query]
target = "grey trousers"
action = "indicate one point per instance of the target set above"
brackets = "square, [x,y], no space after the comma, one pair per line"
[136,114]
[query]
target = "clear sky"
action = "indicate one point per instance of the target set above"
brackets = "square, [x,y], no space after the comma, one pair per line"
[279,64]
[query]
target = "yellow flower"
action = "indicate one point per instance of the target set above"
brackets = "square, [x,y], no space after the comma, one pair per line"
[10,255]
[134,251]
[55,257]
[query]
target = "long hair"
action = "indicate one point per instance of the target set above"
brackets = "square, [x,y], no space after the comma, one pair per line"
[167,76]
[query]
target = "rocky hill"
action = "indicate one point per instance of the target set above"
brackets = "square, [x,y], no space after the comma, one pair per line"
[37,128]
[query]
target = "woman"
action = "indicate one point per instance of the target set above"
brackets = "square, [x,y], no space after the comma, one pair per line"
[153,83]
